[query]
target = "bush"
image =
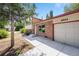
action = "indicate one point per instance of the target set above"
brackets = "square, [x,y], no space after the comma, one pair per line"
[3,33]
[3,23]
[23,30]
[18,25]
[26,31]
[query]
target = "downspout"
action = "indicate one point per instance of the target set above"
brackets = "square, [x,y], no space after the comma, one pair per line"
[35,30]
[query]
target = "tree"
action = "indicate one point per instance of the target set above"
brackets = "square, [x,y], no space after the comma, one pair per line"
[71,7]
[47,16]
[74,6]
[66,8]
[3,16]
[14,11]
[30,9]
[51,14]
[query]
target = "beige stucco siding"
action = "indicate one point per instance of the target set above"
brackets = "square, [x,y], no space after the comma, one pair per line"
[67,33]
[71,17]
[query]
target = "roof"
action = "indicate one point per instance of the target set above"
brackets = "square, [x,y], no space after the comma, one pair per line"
[67,13]
[61,15]
[37,18]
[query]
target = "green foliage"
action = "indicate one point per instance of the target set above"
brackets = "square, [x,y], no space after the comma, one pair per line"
[28,21]
[23,30]
[3,33]
[42,28]
[67,8]
[47,16]
[17,52]
[18,25]
[32,10]
[71,6]
[51,14]
[14,11]
[74,6]
[3,23]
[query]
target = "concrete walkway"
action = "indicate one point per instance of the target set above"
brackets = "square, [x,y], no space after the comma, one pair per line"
[46,47]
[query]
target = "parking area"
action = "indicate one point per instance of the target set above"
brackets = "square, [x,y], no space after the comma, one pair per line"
[46,47]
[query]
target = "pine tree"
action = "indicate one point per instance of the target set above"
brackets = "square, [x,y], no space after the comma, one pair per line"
[51,14]
[47,16]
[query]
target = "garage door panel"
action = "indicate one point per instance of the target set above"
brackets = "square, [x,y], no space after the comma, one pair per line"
[67,33]
[59,32]
[76,34]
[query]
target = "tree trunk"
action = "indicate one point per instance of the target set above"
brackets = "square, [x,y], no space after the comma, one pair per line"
[12,31]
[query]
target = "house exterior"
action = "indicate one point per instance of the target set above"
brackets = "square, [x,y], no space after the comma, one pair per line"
[35,21]
[62,28]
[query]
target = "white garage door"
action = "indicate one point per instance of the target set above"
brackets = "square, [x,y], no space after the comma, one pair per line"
[67,33]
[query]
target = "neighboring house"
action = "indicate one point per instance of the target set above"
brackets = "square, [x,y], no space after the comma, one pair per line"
[63,28]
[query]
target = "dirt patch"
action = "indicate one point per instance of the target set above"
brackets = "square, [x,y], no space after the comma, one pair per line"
[20,45]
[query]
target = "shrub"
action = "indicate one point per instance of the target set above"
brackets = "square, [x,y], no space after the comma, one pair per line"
[17,52]
[3,23]
[3,33]
[23,30]
[18,25]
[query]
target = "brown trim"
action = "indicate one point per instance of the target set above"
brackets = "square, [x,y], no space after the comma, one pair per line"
[53,32]
[67,22]
[36,18]
[44,22]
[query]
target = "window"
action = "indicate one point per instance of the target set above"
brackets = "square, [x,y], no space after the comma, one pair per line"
[42,28]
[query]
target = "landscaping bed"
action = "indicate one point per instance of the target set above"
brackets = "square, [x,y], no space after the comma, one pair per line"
[20,45]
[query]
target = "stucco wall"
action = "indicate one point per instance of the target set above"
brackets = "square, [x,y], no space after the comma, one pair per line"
[35,21]
[48,30]
[71,17]
[67,31]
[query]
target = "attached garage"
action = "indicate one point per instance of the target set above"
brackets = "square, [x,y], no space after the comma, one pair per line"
[67,33]
[66,29]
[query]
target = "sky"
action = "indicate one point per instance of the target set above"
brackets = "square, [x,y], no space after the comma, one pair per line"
[42,9]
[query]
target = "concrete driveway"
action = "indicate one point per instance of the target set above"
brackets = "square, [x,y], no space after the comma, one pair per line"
[46,47]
